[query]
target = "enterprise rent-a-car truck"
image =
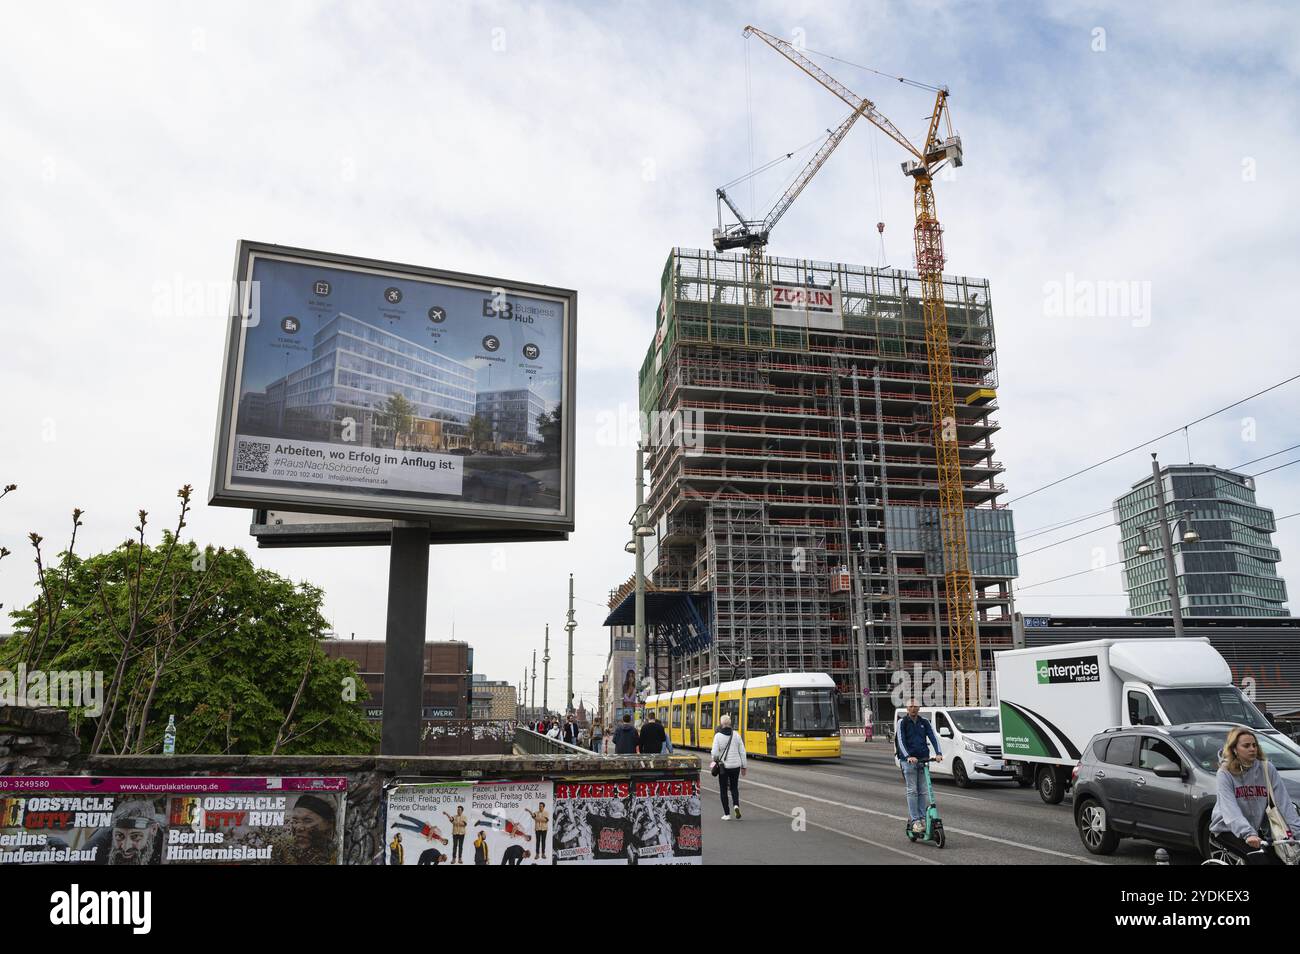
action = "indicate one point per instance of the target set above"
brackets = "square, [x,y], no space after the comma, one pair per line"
[1054,699]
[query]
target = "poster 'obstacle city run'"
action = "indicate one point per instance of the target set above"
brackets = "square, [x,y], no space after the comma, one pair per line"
[376,389]
[468,823]
[85,820]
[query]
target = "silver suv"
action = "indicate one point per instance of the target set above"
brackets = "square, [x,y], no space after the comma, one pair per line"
[1158,783]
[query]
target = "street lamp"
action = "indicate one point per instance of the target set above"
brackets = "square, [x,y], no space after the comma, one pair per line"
[640,531]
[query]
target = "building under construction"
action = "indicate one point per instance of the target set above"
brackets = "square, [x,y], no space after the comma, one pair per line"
[793,470]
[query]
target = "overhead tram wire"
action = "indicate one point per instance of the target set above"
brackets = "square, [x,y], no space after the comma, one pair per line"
[1061,525]
[1169,433]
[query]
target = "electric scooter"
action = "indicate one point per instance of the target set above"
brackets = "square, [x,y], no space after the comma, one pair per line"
[933,832]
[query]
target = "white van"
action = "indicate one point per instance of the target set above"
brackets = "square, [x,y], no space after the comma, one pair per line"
[1054,699]
[971,739]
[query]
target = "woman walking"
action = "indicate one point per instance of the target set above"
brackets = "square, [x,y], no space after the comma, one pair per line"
[729,756]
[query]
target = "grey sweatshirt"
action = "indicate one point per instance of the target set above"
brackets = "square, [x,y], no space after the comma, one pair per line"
[1243,798]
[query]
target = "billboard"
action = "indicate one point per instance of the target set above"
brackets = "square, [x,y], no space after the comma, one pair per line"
[385,391]
[171,821]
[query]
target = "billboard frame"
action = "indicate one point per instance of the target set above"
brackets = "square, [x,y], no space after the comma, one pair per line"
[461,522]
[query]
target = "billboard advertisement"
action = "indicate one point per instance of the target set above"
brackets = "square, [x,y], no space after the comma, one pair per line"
[171,821]
[387,391]
[479,823]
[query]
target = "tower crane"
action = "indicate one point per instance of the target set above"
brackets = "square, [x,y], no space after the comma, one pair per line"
[934,154]
[752,235]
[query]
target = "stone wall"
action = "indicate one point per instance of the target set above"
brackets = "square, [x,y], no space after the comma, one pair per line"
[36,742]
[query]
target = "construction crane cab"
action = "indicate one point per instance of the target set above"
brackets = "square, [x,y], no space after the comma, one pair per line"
[946,150]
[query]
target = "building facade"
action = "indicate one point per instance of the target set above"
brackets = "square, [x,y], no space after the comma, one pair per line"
[355,369]
[793,470]
[492,699]
[448,668]
[1230,571]
[512,414]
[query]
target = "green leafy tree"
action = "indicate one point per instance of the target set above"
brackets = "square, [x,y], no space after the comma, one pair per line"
[398,414]
[233,651]
[479,431]
[550,427]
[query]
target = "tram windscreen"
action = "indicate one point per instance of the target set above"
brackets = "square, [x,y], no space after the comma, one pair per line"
[808,710]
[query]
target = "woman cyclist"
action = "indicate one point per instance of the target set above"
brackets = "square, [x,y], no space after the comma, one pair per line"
[1244,780]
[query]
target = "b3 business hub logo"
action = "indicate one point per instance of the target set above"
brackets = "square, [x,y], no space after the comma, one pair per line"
[1076,669]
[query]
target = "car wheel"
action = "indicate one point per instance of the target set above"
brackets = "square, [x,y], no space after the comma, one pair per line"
[959,774]
[1094,838]
[1050,789]
[1209,852]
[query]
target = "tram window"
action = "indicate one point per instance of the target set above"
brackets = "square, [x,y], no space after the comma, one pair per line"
[690,717]
[706,715]
[677,717]
[808,710]
[761,714]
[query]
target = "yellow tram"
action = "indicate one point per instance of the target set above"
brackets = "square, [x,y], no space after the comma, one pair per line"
[788,715]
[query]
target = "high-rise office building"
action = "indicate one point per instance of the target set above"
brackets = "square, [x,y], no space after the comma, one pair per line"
[1231,570]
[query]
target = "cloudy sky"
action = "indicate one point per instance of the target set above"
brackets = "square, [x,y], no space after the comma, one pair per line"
[575,145]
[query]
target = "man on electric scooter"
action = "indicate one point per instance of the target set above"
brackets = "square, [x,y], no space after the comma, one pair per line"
[913,740]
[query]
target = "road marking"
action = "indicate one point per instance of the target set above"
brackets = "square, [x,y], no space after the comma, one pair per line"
[960,831]
[836,831]
[849,778]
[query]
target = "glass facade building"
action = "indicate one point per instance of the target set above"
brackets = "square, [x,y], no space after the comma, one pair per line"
[354,370]
[1230,571]
[512,414]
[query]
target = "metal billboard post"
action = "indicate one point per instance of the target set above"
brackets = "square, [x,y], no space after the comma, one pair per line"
[408,604]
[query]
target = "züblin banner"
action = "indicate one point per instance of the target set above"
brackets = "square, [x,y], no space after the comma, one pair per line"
[1074,669]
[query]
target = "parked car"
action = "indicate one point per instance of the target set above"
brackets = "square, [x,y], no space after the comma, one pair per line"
[971,740]
[1157,783]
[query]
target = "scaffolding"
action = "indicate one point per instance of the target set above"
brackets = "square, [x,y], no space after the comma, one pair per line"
[800,457]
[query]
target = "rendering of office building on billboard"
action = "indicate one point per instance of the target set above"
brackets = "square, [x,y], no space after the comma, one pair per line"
[354,372]
[513,415]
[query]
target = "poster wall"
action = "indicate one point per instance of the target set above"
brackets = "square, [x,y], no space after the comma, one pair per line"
[651,819]
[665,821]
[470,823]
[152,821]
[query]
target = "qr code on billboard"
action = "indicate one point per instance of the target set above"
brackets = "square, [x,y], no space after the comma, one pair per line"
[252,456]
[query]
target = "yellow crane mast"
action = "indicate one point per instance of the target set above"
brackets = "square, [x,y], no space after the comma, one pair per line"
[959,588]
